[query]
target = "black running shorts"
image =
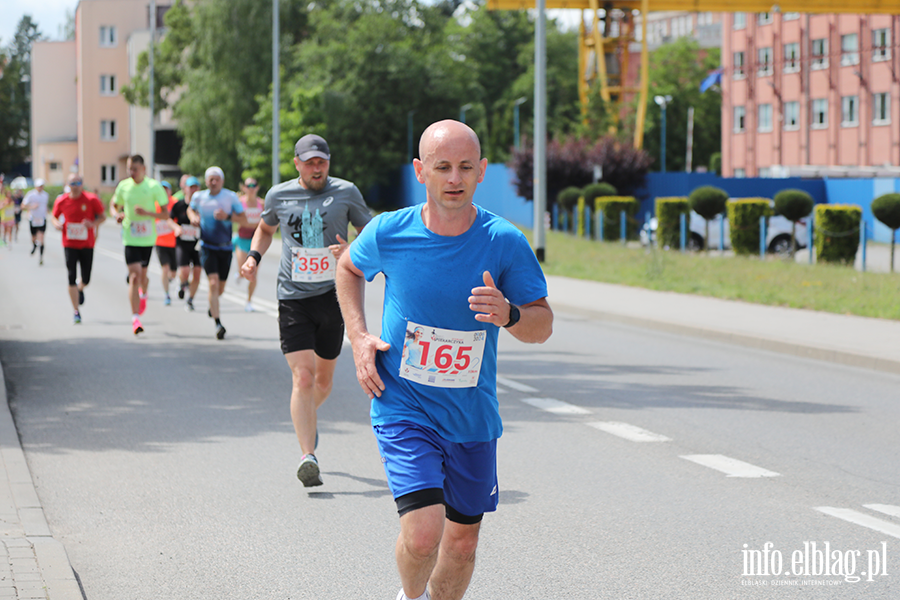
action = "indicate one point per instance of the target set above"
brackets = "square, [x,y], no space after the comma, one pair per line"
[138,254]
[312,324]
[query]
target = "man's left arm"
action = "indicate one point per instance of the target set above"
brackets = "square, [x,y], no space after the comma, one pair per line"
[535,322]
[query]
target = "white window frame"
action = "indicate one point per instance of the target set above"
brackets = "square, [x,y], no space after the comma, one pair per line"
[819,107]
[849,49]
[763,18]
[881,45]
[108,174]
[791,115]
[791,57]
[108,130]
[109,37]
[740,173]
[739,65]
[740,20]
[790,16]
[764,118]
[764,57]
[820,54]
[740,119]
[108,85]
[764,172]
[881,108]
[849,111]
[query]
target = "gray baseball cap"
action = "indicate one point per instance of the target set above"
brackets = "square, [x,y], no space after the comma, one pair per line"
[311,146]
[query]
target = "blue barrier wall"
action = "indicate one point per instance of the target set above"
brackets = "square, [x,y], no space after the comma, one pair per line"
[496,194]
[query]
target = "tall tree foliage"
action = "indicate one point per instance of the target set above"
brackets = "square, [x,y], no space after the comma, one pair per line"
[677,69]
[15,95]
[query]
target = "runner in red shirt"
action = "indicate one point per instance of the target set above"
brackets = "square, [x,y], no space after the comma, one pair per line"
[83,212]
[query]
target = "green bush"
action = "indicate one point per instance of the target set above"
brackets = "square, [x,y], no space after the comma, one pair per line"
[595,190]
[837,232]
[715,163]
[668,226]
[886,209]
[708,201]
[793,205]
[568,197]
[743,221]
[612,207]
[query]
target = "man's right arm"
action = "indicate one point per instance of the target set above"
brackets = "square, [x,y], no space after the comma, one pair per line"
[262,239]
[350,285]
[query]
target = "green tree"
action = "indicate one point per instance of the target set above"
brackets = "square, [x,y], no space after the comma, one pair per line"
[15,95]
[677,69]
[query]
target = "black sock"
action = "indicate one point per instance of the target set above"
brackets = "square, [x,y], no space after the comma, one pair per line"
[218,322]
[42,251]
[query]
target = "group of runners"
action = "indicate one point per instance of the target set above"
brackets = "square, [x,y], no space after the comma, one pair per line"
[455,274]
[13,203]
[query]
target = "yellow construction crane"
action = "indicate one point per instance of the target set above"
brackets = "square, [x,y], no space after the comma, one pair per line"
[610,66]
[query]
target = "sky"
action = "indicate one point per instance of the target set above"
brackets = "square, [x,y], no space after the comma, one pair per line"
[48,14]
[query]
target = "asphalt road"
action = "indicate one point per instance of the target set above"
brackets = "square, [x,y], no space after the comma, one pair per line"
[166,464]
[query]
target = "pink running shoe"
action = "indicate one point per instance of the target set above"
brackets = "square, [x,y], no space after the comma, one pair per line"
[136,326]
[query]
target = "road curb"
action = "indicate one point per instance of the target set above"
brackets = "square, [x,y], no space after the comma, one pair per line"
[57,577]
[850,359]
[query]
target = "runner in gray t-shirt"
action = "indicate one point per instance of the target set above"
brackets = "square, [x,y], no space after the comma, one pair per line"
[314,212]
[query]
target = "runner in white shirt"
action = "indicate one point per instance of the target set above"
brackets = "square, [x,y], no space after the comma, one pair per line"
[35,202]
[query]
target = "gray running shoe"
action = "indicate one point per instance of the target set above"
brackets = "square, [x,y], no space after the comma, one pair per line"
[308,471]
[220,332]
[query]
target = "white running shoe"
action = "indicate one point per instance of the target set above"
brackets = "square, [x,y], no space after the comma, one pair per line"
[249,308]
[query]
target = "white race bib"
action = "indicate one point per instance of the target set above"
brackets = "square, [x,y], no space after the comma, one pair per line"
[442,357]
[141,228]
[189,233]
[76,231]
[163,228]
[312,264]
[253,215]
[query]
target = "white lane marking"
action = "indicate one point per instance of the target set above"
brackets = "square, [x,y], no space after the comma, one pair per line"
[858,518]
[629,432]
[730,466]
[515,385]
[555,406]
[892,511]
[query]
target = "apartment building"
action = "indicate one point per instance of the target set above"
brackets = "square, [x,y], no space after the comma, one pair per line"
[810,95]
[84,124]
[664,27]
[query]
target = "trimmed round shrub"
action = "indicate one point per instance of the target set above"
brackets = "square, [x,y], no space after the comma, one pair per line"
[793,205]
[708,201]
[837,232]
[715,163]
[596,190]
[568,197]
[886,209]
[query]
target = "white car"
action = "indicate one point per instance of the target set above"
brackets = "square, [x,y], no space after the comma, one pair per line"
[778,233]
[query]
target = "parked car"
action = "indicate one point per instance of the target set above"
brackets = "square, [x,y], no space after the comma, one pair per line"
[778,234]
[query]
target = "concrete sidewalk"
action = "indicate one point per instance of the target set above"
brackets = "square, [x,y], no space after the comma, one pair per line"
[32,563]
[35,565]
[849,340]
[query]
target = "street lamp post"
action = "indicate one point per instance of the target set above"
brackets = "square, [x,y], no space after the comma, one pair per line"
[516,105]
[462,112]
[662,101]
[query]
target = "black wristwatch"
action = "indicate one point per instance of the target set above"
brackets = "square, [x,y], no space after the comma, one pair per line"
[514,314]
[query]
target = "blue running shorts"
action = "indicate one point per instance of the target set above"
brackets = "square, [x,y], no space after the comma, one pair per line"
[416,458]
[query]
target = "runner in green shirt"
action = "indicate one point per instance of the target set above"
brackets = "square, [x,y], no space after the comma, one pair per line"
[137,203]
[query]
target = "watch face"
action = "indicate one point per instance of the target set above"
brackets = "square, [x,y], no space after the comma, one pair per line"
[513,315]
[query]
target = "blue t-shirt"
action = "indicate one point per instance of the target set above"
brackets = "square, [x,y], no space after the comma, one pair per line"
[216,234]
[428,280]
